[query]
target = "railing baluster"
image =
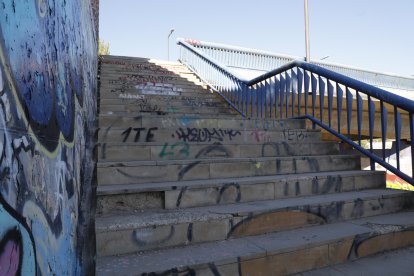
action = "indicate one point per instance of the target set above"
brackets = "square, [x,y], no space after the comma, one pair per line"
[282,94]
[288,88]
[314,87]
[267,100]
[339,98]
[359,115]
[384,122]
[330,99]
[371,117]
[300,83]
[412,142]
[277,95]
[307,84]
[397,124]
[321,97]
[294,90]
[349,99]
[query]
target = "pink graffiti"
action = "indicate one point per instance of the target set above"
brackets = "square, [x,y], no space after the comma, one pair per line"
[10,259]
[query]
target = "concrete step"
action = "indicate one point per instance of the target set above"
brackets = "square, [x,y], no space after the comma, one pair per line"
[137,232]
[133,94]
[195,193]
[201,100]
[395,262]
[111,173]
[281,253]
[176,109]
[152,90]
[184,150]
[197,121]
[191,135]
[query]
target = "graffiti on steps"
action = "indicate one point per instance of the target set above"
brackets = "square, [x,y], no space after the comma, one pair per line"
[260,136]
[295,134]
[205,134]
[178,150]
[149,137]
[165,69]
[128,96]
[150,88]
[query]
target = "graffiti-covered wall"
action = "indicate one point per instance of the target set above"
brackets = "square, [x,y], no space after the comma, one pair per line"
[48,71]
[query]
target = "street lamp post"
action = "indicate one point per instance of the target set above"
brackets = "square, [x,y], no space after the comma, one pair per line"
[307,31]
[168,43]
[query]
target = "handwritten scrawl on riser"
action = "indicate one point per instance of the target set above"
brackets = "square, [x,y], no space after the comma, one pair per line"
[205,134]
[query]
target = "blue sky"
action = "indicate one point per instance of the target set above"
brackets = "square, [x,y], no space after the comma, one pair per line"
[372,34]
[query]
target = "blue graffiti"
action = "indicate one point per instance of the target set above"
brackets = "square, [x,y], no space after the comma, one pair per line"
[41,44]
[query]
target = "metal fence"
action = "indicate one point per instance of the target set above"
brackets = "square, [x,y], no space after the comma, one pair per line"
[330,100]
[256,60]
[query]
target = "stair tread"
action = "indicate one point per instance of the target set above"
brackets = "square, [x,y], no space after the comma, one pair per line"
[175,185]
[233,251]
[174,216]
[396,262]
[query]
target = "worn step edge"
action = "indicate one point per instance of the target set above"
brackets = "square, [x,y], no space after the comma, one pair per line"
[317,246]
[198,184]
[134,220]
[199,193]
[394,262]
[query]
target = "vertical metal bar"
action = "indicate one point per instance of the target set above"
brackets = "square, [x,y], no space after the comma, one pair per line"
[349,99]
[412,142]
[339,97]
[397,123]
[371,116]
[266,89]
[321,97]
[277,96]
[330,99]
[384,122]
[307,31]
[314,87]
[271,95]
[288,88]
[300,82]
[359,115]
[307,83]
[294,89]
[282,94]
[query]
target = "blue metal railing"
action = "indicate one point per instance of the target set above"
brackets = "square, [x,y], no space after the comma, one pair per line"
[256,62]
[330,100]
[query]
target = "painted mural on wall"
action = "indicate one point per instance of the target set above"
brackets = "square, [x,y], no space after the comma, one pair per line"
[48,71]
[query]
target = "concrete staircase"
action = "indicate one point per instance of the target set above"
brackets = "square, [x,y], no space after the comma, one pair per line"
[186,186]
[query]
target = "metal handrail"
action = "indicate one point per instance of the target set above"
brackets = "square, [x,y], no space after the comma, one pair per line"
[302,90]
[249,59]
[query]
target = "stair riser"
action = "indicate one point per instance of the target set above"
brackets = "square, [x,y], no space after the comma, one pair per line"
[142,239]
[163,91]
[143,78]
[122,174]
[156,135]
[231,193]
[207,100]
[108,72]
[183,151]
[196,121]
[149,108]
[144,87]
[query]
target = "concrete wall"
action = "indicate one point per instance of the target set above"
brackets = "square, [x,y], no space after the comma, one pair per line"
[48,65]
